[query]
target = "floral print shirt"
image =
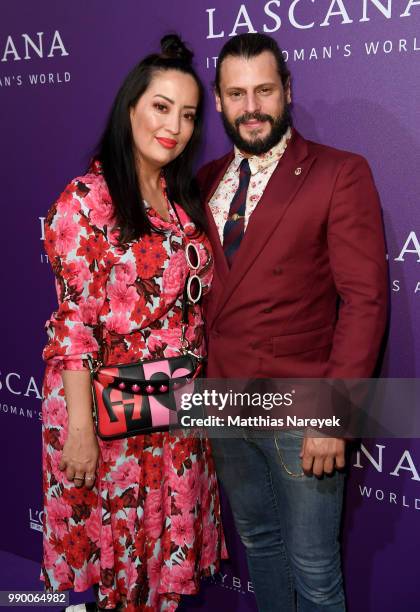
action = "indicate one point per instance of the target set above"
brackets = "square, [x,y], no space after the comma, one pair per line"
[262,167]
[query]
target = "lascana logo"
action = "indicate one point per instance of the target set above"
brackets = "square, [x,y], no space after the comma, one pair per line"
[271,16]
[397,465]
[16,52]
[404,463]
[411,246]
[35,519]
[27,47]
[409,253]
[16,385]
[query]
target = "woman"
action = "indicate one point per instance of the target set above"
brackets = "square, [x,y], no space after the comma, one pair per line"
[136,518]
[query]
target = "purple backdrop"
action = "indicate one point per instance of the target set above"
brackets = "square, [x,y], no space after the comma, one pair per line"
[355,74]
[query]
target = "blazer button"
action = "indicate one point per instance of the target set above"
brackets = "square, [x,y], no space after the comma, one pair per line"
[267,310]
[278,270]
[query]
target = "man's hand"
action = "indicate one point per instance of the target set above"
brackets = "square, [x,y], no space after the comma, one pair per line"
[322,455]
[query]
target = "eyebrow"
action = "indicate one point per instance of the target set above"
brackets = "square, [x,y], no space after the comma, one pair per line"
[256,86]
[172,101]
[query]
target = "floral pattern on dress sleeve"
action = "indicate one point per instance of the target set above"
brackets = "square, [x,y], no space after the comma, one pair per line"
[78,253]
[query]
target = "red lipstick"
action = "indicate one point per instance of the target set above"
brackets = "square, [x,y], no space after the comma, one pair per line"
[168,143]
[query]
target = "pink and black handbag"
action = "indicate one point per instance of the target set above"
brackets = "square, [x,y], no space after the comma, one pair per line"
[142,397]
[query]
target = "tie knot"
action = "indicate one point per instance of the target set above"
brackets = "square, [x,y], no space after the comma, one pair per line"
[244,169]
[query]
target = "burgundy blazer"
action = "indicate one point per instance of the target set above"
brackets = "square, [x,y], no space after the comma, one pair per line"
[307,293]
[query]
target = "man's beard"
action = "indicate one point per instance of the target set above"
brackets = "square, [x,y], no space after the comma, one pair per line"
[258,146]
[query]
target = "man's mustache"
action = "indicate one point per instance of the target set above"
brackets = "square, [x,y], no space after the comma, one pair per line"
[249,116]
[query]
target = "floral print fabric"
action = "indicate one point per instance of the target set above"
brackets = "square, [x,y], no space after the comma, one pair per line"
[151,525]
[262,167]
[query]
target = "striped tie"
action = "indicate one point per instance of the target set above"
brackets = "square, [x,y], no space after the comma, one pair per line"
[233,232]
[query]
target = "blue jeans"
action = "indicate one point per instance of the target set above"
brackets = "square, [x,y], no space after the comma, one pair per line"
[289,523]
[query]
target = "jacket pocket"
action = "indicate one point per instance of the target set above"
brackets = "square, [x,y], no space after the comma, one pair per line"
[290,344]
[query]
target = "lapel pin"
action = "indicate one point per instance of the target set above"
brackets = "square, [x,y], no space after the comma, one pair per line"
[298,171]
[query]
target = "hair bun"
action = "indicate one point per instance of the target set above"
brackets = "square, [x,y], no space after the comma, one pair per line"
[173,48]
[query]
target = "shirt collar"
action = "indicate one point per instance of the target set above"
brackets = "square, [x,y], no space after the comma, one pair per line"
[257,163]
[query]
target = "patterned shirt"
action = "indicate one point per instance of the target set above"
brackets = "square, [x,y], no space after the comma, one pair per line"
[262,167]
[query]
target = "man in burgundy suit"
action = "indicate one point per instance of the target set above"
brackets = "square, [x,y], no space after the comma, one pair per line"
[300,291]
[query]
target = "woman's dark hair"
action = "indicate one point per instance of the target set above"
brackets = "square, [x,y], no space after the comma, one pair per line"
[116,147]
[251,45]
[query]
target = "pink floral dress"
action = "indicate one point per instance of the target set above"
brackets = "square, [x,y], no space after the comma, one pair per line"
[150,528]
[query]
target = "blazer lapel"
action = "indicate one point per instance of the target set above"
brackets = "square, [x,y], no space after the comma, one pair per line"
[281,189]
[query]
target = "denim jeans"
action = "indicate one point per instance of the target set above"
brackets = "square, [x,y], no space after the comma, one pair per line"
[288,522]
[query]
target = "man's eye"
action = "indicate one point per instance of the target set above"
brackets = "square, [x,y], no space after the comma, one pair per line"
[235,94]
[265,90]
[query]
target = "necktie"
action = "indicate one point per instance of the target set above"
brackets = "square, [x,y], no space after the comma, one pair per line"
[233,232]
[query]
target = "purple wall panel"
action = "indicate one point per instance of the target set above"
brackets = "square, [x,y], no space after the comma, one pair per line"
[345,94]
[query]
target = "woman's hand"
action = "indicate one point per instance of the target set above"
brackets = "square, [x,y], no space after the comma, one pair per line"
[80,456]
[80,450]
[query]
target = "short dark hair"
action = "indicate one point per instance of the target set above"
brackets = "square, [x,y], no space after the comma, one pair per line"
[116,148]
[251,45]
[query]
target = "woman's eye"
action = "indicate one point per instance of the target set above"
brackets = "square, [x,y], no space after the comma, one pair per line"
[160,107]
[190,116]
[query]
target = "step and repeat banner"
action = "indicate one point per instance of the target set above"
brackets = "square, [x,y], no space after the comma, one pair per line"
[356,78]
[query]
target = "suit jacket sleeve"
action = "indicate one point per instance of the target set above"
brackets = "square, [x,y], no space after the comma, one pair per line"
[357,256]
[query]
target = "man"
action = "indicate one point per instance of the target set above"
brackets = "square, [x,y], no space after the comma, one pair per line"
[296,229]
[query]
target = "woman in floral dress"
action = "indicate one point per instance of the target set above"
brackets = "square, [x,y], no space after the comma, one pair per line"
[138,518]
